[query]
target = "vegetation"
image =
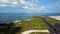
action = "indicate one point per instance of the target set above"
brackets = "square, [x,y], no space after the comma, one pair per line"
[9,28]
[35,24]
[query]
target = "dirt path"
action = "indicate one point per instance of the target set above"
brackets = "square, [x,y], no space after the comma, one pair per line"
[30,31]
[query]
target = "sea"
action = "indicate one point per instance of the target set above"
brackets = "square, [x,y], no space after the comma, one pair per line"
[10,17]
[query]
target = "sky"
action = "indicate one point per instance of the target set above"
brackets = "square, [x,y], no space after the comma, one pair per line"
[29,6]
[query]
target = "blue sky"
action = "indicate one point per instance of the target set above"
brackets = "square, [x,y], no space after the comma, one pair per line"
[29,6]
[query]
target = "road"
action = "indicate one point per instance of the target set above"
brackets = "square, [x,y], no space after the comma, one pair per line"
[52,29]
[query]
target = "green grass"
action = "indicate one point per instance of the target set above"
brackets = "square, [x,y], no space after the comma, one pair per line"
[51,21]
[35,24]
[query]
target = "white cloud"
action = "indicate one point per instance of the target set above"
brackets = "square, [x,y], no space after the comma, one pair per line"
[3,0]
[22,4]
[2,5]
[14,3]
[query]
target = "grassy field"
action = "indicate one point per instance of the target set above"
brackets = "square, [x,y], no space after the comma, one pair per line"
[35,24]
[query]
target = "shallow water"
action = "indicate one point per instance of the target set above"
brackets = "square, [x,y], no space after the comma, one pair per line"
[6,18]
